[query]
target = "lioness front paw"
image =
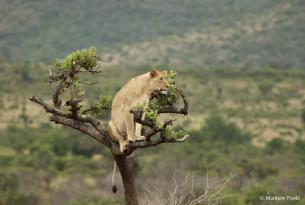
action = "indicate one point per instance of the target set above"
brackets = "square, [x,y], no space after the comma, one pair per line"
[140,138]
[137,138]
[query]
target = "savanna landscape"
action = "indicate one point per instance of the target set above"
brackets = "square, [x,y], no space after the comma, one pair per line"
[240,63]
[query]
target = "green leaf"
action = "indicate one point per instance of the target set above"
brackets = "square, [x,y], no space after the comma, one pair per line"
[102,103]
[85,58]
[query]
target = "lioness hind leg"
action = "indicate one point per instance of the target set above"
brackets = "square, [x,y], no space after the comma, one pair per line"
[130,127]
[139,128]
[117,137]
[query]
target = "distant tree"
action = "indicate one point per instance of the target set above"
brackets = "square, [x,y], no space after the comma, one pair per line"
[303,116]
[25,74]
[275,144]
[24,116]
[1,102]
[265,87]
[87,119]
[300,145]
[216,128]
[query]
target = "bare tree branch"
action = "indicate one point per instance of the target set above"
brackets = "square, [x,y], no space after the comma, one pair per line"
[77,120]
[143,144]
[49,108]
[79,126]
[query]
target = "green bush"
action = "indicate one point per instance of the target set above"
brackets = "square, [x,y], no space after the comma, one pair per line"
[19,138]
[275,144]
[22,199]
[300,146]
[9,194]
[303,116]
[252,195]
[265,87]
[85,58]
[8,182]
[59,141]
[216,128]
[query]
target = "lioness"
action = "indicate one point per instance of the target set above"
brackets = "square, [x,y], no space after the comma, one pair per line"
[122,127]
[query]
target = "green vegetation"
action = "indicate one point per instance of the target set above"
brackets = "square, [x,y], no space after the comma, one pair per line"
[233,113]
[9,194]
[219,147]
[85,58]
[240,63]
[303,116]
[239,33]
[217,128]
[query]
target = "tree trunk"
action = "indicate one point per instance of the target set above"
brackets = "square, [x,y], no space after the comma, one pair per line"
[128,180]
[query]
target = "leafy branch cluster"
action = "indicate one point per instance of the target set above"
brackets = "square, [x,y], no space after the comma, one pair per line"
[160,101]
[104,102]
[68,69]
[85,58]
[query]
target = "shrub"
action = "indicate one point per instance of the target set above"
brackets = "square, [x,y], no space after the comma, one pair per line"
[216,128]
[275,144]
[8,182]
[9,194]
[253,194]
[303,116]
[265,87]
[300,146]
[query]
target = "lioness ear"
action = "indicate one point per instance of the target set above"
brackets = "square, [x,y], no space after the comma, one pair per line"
[153,74]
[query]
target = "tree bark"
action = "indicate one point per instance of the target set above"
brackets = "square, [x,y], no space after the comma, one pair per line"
[128,180]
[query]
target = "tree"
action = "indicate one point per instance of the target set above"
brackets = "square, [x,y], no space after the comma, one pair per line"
[75,114]
[303,115]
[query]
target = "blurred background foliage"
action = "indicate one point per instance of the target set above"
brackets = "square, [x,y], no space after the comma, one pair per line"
[239,33]
[240,62]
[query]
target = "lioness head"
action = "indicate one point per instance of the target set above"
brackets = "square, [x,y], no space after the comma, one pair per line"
[158,80]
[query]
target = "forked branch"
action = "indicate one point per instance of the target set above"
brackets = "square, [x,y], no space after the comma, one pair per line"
[154,129]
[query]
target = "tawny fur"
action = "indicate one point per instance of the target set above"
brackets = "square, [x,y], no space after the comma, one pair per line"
[122,127]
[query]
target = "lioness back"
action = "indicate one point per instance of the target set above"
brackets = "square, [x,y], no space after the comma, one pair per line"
[127,97]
